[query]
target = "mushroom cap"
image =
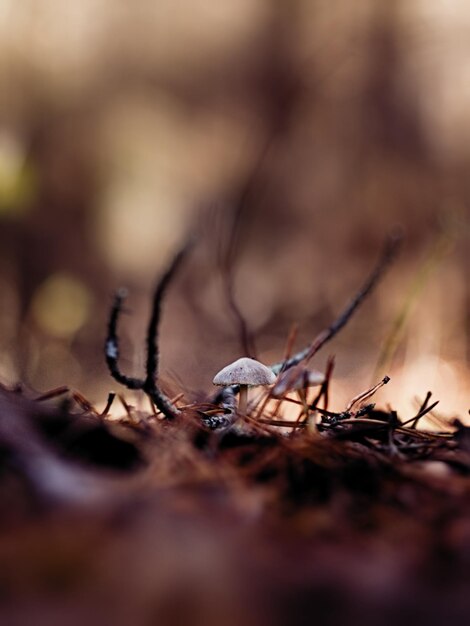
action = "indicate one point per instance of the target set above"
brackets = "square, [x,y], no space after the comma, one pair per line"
[296,379]
[245,371]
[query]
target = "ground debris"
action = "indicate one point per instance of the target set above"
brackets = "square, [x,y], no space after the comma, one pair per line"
[245,524]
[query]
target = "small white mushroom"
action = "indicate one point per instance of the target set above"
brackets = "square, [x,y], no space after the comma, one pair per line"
[244,372]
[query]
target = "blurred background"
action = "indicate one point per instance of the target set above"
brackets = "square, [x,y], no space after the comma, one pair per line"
[292,136]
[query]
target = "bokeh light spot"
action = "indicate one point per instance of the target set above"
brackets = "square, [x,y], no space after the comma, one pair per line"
[61,305]
[17,181]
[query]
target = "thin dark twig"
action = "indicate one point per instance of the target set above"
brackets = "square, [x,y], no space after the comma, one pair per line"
[111,397]
[421,409]
[365,395]
[283,423]
[246,338]
[329,414]
[292,336]
[324,391]
[422,413]
[425,402]
[83,403]
[388,255]
[127,408]
[151,388]
[112,345]
[149,383]
[227,258]
[226,262]
[53,393]
[154,322]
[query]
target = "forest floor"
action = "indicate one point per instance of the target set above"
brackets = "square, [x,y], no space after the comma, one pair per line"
[144,520]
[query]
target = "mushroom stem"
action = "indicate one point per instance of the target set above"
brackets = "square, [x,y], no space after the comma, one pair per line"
[242,399]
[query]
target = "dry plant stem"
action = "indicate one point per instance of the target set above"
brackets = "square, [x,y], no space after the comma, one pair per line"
[322,393]
[414,420]
[431,262]
[388,255]
[53,393]
[262,405]
[289,344]
[109,403]
[227,270]
[178,397]
[278,406]
[127,408]
[425,402]
[154,322]
[325,388]
[287,399]
[261,426]
[79,398]
[152,407]
[438,420]
[246,338]
[149,383]
[112,345]
[84,403]
[365,395]
[377,424]
[227,258]
[283,423]
[302,393]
